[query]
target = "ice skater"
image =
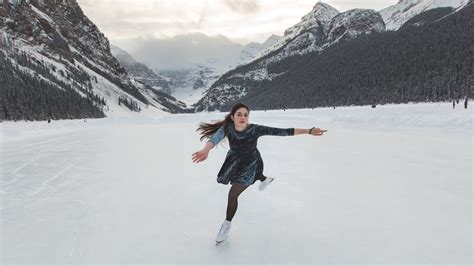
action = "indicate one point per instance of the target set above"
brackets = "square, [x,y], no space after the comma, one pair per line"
[243,165]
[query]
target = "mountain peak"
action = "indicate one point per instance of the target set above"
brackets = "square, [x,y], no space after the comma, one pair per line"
[320,10]
[322,13]
[396,15]
[321,5]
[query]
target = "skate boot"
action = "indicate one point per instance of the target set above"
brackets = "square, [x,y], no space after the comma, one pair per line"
[223,232]
[264,184]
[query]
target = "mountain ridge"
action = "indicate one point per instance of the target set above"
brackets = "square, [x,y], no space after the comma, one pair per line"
[429,61]
[58,37]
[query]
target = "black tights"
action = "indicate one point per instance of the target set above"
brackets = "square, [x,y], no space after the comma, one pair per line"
[232,202]
[235,190]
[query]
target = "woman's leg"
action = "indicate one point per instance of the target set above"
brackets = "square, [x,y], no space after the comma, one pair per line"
[232,202]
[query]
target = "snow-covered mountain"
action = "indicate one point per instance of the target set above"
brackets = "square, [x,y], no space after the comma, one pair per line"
[396,15]
[425,60]
[192,61]
[320,15]
[307,35]
[55,38]
[318,30]
[140,72]
[188,85]
[254,50]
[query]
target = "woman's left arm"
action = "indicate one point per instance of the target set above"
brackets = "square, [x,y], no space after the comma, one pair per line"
[272,131]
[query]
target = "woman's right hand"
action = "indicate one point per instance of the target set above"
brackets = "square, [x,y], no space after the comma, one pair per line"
[200,156]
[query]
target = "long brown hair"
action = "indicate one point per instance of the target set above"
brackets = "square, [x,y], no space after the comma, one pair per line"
[206,130]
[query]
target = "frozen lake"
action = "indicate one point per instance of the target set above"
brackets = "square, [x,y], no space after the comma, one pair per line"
[385,185]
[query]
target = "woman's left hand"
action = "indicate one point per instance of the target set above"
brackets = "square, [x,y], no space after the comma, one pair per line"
[318,131]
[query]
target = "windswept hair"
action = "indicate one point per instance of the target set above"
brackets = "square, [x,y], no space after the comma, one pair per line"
[206,130]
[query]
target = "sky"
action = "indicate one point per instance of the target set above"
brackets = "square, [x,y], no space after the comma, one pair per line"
[241,21]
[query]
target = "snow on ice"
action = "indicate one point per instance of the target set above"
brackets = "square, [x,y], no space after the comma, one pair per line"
[386,185]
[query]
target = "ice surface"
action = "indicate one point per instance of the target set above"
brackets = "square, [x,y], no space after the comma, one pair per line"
[386,185]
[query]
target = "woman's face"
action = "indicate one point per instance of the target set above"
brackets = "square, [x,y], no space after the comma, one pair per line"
[241,117]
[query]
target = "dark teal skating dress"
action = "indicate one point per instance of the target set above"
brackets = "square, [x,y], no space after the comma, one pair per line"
[243,163]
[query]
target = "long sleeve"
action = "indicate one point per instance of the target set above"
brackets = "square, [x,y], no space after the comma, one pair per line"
[273,131]
[218,136]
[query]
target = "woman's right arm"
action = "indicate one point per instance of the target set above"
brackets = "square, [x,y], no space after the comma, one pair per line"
[201,155]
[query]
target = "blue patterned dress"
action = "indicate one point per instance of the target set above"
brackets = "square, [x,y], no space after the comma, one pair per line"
[243,163]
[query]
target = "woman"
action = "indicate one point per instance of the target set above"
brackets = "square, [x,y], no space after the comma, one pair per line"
[243,164]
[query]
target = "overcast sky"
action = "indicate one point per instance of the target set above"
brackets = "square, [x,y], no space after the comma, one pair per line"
[240,20]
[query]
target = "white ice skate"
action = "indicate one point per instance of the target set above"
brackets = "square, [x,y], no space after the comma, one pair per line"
[223,232]
[264,184]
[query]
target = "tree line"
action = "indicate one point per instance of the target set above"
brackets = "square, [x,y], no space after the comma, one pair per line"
[29,91]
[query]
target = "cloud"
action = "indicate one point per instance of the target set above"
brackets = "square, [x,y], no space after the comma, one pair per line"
[243,6]
[202,15]
[183,51]
[239,20]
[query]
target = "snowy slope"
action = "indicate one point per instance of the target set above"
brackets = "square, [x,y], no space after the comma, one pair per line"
[391,185]
[255,50]
[101,85]
[396,15]
[59,38]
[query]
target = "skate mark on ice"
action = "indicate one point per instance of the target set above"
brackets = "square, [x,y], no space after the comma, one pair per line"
[17,175]
[45,183]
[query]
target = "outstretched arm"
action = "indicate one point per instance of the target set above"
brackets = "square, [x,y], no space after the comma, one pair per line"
[201,155]
[272,131]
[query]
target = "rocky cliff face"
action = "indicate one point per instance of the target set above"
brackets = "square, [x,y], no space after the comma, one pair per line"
[321,15]
[353,23]
[63,29]
[306,36]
